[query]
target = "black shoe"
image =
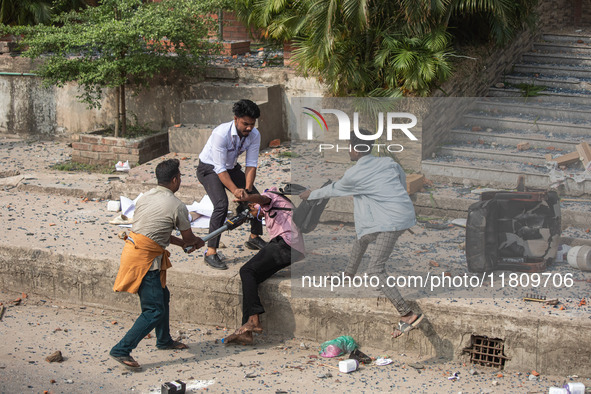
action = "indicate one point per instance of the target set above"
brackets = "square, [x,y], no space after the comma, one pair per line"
[214,261]
[256,243]
[360,356]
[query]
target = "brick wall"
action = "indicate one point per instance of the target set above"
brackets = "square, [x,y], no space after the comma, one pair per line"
[234,30]
[556,14]
[96,149]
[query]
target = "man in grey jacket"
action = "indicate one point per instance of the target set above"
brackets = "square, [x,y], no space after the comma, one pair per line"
[382,212]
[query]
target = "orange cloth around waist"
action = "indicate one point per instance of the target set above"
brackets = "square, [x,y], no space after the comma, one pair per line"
[136,260]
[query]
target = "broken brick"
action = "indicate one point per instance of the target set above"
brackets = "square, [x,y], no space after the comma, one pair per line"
[567,159]
[55,357]
[414,183]
[523,146]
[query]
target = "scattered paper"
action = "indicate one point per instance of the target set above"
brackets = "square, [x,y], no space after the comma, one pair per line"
[459,222]
[204,208]
[383,361]
[121,166]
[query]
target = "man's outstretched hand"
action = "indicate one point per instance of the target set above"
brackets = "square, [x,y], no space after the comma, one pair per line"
[305,194]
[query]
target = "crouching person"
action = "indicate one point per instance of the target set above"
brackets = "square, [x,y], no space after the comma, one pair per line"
[144,261]
[285,247]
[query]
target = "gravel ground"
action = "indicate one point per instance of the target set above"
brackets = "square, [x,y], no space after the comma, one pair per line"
[35,328]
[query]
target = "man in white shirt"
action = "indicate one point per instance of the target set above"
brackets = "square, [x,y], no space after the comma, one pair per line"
[219,170]
[383,211]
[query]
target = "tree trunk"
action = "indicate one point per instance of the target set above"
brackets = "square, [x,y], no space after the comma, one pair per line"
[123,112]
[117,114]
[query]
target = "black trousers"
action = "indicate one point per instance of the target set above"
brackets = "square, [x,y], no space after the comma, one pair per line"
[217,193]
[272,258]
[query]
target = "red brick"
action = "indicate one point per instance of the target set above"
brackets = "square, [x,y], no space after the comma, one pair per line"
[92,139]
[120,150]
[100,148]
[414,183]
[90,155]
[107,156]
[81,146]
[110,140]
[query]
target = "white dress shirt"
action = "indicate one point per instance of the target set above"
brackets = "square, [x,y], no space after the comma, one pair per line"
[225,145]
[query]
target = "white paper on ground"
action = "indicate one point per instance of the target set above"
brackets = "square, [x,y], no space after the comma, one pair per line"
[459,222]
[203,207]
[128,205]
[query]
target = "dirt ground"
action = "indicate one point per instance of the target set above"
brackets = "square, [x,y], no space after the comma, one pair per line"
[34,328]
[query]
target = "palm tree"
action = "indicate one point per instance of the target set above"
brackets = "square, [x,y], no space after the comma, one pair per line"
[24,12]
[379,47]
[32,12]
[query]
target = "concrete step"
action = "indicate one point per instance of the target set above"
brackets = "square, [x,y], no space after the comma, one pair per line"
[527,123]
[566,38]
[229,91]
[538,106]
[492,151]
[545,58]
[560,142]
[208,111]
[553,69]
[500,174]
[510,91]
[562,48]
[568,83]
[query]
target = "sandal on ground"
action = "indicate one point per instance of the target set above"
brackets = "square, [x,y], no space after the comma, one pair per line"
[174,345]
[127,361]
[404,327]
[360,356]
[417,321]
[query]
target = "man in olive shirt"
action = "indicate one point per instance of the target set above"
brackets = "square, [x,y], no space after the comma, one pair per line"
[144,261]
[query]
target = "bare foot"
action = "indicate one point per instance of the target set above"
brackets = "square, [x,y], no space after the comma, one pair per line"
[250,327]
[241,339]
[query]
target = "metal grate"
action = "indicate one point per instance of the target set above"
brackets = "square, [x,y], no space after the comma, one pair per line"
[487,351]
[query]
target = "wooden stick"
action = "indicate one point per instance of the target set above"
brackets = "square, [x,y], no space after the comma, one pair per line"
[1,312]
[329,366]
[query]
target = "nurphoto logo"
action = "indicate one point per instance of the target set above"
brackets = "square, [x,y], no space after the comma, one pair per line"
[393,122]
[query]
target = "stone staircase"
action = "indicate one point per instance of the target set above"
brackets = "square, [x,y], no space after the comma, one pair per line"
[543,107]
[211,105]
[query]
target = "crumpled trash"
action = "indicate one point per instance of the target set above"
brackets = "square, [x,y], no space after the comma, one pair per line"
[557,176]
[338,346]
[455,376]
[121,166]
[383,361]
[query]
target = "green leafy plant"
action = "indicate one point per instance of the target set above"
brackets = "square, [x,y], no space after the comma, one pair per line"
[530,90]
[117,44]
[32,12]
[71,166]
[380,48]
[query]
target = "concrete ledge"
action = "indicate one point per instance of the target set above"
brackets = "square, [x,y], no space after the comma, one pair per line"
[548,344]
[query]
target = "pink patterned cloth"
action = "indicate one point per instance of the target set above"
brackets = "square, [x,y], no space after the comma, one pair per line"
[279,222]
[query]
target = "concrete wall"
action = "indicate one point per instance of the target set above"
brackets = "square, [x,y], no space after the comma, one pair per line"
[547,344]
[29,108]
